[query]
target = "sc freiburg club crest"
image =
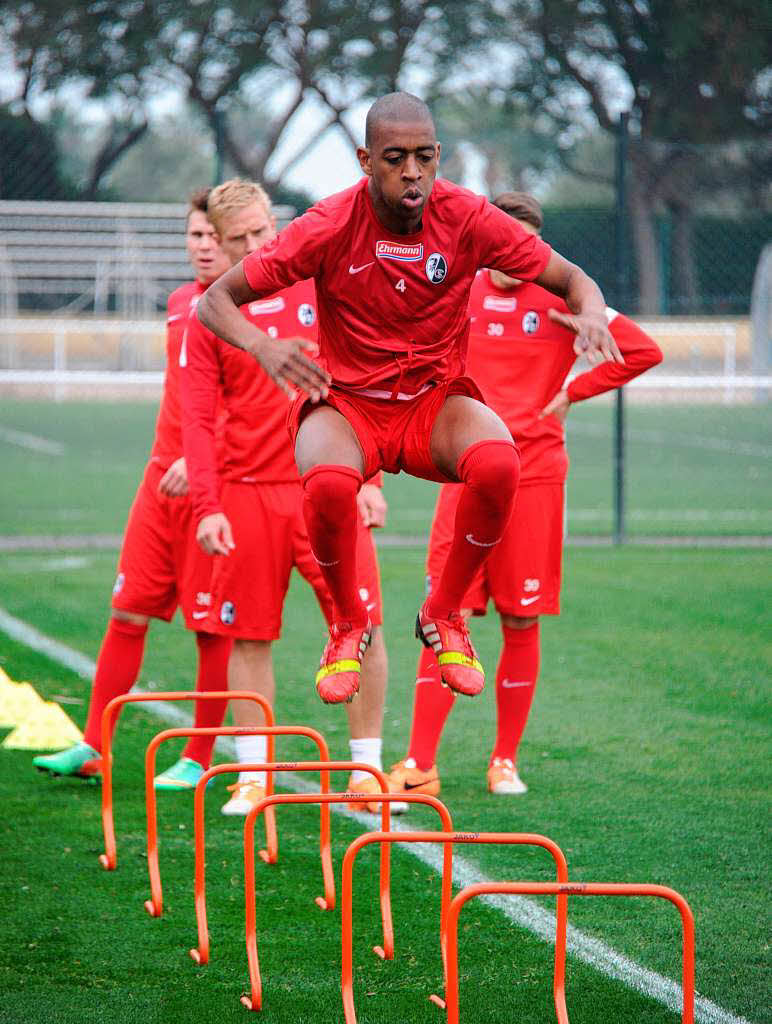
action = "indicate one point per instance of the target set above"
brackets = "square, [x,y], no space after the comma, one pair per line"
[306,314]
[436,268]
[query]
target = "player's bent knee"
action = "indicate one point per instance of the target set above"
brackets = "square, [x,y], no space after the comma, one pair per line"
[332,491]
[518,621]
[121,616]
[492,469]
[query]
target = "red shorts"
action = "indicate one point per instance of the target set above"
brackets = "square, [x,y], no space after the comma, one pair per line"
[522,573]
[248,586]
[393,434]
[160,565]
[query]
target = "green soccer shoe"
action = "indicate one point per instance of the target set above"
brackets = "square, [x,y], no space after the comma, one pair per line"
[80,760]
[184,774]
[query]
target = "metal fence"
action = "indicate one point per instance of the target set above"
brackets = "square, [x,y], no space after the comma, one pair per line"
[69,258]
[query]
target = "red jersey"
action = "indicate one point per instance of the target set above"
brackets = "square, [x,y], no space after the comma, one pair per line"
[520,359]
[167,446]
[252,439]
[393,308]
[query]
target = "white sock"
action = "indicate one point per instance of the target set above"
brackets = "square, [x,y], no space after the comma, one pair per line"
[252,749]
[366,751]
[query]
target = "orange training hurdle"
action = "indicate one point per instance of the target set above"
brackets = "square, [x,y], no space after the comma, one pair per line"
[561,890]
[255,1000]
[154,905]
[201,953]
[507,838]
[109,858]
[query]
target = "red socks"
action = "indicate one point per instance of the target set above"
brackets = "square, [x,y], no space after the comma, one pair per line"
[431,706]
[213,654]
[490,470]
[330,512]
[118,665]
[515,684]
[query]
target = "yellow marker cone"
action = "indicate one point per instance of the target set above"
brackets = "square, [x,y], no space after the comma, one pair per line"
[18,702]
[47,728]
[36,724]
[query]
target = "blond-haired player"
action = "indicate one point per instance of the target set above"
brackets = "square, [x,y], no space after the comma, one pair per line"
[254,523]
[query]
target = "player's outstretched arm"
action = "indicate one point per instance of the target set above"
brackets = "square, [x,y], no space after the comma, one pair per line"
[587,318]
[285,360]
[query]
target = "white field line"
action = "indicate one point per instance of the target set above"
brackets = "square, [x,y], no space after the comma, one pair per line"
[518,909]
[31,441]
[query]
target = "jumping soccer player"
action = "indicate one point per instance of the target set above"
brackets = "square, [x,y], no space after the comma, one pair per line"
[520,353]
[160,565]
[393,259]
[260,505]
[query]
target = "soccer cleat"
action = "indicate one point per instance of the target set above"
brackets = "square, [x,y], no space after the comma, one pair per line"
[406,777]
[449,638]
[245,796]
[503,779]
[184,774]
[80,760]
[341,663]
[368,785]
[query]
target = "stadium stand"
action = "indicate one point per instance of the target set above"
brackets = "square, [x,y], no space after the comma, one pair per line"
[95,257]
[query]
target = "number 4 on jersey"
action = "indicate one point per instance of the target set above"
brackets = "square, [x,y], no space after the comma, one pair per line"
[400,285]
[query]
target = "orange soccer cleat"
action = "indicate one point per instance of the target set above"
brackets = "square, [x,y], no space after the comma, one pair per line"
[246,795]
[368,786]
[406,777]
[341,663]
[503,779]
[449,638]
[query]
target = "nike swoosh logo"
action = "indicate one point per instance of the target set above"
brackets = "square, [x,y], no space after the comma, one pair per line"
[481,543]
[355,270]
[529,600]
[507,684]
[200,615]
[417,785]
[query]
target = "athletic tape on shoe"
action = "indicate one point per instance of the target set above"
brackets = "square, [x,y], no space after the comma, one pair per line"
[457,658]
[347,665]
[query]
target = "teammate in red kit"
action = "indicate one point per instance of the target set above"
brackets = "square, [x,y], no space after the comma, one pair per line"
[520,353]
[255,524]
[160,565]
[393,259]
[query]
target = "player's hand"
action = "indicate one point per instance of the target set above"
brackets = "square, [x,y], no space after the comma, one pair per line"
[174,482]
[287,362]
[214,534]
[557,407]
[593,338]
[372,505]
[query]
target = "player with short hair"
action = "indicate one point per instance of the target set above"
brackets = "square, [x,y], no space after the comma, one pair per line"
[160,565]
[520,353]
[259,506]
[393,259]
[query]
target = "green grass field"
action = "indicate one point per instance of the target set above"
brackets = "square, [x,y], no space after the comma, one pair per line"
[690,469]
[647,759]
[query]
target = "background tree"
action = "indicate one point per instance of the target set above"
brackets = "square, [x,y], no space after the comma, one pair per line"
[223,55]
[518,150]
[691,75]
